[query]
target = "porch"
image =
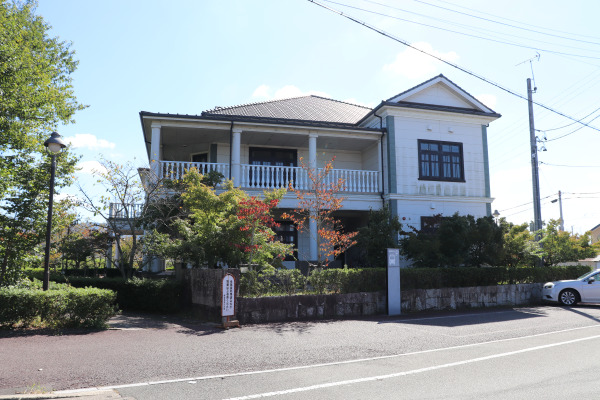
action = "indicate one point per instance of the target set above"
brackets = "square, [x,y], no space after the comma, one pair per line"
[275,177]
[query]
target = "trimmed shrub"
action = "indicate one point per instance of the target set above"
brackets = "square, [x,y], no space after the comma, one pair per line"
[60,307]
[354,280]
[148,295]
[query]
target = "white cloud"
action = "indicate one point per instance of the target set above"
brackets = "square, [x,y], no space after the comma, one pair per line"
[90,167]
[263,92]
[415,65]
[487,99]
[89,141]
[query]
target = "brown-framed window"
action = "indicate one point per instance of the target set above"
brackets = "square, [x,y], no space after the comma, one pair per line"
[441,161]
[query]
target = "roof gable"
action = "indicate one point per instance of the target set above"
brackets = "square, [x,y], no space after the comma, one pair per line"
[440,91]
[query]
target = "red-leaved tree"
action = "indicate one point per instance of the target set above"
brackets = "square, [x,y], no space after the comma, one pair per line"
[318,204]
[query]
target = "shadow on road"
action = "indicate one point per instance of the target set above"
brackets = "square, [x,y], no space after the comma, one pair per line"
[469,318]
[579,310]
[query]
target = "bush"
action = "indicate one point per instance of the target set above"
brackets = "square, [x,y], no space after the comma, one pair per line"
[148,295]
[60,307]
[354,280]
[290,282]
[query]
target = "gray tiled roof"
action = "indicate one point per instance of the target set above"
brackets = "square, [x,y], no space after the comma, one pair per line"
[306,108]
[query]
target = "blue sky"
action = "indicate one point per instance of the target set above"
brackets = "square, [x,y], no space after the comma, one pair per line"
[189,56]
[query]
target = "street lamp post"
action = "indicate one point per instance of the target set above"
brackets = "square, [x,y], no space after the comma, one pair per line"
[496,214]
[54,144]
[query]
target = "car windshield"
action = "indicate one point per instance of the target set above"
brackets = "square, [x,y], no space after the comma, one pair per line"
[586,275]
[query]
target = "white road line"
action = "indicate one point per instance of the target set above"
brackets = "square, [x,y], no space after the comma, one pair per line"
[267,371]
[405,373]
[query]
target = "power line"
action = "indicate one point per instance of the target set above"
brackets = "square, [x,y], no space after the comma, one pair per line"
[449,63]
[518,22]
[570,166]
[505,24]
[443,29]
[573,131]
[477,29]
[564,126]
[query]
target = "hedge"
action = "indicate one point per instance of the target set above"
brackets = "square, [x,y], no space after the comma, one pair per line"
[38,273]
[136,294]
[57,308]
[255,284]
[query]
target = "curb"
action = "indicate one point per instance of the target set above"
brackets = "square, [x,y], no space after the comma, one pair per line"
[87,395]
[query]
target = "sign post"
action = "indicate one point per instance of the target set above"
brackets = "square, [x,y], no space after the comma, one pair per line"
[393,279]
[228,301]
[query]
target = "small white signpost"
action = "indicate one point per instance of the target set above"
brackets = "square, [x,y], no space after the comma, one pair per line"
[393,278]
[228,301]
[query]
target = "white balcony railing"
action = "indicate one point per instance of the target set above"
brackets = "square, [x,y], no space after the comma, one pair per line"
[176,169]
[122,211]
[275,177]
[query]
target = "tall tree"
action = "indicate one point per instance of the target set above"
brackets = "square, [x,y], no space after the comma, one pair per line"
[122,207]
[36,95]
[35,85]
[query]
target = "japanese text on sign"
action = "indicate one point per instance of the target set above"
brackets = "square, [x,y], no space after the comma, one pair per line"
[228,300]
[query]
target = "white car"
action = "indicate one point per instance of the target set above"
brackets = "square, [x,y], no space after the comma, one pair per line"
[586,289]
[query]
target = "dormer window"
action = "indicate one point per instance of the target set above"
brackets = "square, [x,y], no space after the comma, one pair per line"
[441,161]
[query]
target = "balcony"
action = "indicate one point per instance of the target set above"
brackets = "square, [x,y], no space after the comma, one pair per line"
[275,177]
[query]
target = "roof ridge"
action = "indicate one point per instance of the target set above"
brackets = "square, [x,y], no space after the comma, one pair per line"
[340,101]
[253,104]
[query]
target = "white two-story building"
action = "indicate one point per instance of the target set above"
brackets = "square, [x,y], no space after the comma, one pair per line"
[422,152]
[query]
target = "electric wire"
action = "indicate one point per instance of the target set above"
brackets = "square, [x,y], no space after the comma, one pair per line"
[480,30]
[445,29]
[505,24]
[518,22]
[383,33]
[570,166]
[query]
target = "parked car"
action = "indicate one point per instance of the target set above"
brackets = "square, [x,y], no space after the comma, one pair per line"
[586,289]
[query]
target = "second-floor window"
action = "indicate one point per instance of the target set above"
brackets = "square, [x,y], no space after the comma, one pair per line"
[441,161]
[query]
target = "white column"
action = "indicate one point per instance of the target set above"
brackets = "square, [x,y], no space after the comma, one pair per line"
[155,146]
[312,151]
[312,249]
[379,166]
[312,226]
[236,156]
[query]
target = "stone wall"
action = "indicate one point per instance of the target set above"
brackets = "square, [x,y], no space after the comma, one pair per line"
[471,297]
[310,307]
[203,289]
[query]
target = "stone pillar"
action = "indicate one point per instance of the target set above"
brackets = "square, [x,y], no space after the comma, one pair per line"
[109,255]
[236,174]
[155,149]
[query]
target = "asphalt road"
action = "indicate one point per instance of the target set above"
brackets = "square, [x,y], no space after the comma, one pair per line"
[545,352]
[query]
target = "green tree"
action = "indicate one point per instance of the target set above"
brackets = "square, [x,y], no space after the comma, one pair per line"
[35,86]
[380,234]
[520,247]
[459,240]
[558,247]
[218,228]
[36,96]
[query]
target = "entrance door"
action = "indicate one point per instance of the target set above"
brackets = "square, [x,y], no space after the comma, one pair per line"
[265,156]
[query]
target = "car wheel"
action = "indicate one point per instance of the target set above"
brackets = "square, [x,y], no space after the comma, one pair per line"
[568,297]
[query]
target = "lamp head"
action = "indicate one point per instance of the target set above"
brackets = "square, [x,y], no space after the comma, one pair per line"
[496,214]
[54,143]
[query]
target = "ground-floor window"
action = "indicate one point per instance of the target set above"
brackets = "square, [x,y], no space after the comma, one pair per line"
[287,233]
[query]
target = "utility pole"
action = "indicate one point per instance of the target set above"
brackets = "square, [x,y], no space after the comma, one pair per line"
[535,178]
[562,221]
